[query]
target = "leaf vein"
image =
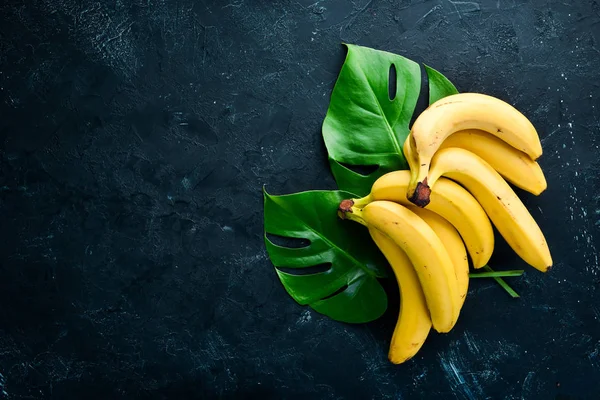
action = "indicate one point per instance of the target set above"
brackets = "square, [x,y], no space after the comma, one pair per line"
[382,114]
[330,243]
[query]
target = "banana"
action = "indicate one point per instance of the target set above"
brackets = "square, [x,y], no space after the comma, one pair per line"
[514,165]
[507,212]
[414,322]
[451,201]
[425,250]
[453,243]
[459,112]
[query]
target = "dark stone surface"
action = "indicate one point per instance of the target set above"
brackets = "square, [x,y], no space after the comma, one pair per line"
[135,140]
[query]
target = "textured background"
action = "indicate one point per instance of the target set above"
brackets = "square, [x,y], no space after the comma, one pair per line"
[135,140]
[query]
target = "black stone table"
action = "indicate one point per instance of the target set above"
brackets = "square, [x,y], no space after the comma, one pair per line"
[136,137]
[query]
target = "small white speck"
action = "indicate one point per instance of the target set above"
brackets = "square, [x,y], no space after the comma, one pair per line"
[304,318]
[570,125]
[561,100]
[214,102]
[562,74]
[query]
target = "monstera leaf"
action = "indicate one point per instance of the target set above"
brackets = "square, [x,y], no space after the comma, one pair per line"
[336,271]
[371,107]
[439,85]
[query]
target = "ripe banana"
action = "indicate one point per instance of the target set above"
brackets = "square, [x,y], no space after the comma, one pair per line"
[507,212]
[414,322]
[425,250]
[453,243]
[451,201]
[459,112]
[514,165]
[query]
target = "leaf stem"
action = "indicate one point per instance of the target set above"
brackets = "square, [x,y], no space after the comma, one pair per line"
[496,276]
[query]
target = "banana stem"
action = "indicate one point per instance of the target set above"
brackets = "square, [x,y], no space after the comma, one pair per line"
[363,201]
[347,210]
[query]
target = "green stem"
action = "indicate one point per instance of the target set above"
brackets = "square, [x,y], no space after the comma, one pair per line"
[493,274]
[497,274]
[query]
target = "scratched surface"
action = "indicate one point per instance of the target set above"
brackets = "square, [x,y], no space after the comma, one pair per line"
[135,140]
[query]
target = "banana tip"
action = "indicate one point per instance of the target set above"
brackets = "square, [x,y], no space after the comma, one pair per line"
[395,359]
[345,207]
[422,194]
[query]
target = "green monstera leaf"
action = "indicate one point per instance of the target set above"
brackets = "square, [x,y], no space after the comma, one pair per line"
[368,117]
[336,272]
[439,85]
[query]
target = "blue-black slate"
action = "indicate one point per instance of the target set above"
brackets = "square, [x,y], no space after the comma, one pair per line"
[135,140]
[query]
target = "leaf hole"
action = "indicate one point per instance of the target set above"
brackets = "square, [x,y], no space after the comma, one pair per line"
[392,82]
[364,170]
[340,290]
[423,99]
[315,269]
[290,242]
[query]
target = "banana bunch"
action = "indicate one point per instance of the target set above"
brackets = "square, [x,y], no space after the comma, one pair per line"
[429,221]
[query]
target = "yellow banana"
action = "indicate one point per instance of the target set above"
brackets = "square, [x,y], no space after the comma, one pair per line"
[425,250]
[453,243]
[507,212]
[459,112]
[414,322]
[514,165]
[450,201]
